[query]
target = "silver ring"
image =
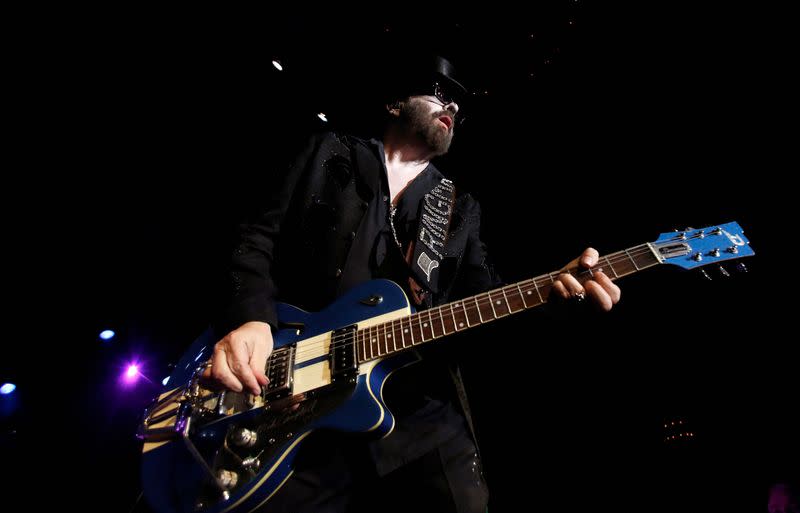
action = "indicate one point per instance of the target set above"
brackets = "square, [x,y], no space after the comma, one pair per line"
[580,296]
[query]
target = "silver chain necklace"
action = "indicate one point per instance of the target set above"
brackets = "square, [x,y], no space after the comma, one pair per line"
[392,212]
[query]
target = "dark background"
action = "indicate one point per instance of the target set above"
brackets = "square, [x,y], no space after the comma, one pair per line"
[137,141]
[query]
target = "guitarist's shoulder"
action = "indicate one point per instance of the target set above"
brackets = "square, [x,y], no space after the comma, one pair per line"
[467,206]
[328,140]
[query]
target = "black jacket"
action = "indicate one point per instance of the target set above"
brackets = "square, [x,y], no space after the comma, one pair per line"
[295,250]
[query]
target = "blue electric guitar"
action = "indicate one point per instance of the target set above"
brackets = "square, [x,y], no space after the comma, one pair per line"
[215,452]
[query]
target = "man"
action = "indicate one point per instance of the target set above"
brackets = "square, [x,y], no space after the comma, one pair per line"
[349,211]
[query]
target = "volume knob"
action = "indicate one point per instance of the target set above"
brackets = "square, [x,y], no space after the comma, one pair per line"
[227,479]
[244,437]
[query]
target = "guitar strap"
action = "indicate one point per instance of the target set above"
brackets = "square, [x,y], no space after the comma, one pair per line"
[425,252]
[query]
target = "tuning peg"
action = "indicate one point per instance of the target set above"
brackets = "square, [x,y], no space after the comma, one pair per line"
[724,272]
[705,275]
[741,267]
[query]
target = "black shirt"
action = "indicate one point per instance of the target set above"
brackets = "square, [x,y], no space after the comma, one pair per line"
[375,241]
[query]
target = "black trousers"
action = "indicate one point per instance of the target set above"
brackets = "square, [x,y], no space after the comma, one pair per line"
[335,475]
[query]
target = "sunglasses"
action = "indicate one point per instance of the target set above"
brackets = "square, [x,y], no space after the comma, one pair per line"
[443,94]
[445,97]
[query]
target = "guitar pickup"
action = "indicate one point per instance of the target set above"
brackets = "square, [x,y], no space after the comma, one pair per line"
[279,372]
[344,366]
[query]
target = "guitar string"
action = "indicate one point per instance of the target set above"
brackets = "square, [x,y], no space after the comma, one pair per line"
[417,322]
[426,321]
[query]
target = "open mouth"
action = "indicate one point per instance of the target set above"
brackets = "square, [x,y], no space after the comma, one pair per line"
[447,121]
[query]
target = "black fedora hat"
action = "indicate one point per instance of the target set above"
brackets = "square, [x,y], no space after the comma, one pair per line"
[445,71]
[414,74]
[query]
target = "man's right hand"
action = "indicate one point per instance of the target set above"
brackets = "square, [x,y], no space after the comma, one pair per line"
[240,358]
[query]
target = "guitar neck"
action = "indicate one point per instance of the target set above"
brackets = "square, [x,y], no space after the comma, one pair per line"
[384,339]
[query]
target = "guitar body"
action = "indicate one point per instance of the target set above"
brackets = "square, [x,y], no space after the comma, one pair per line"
[212,452]
[173,480]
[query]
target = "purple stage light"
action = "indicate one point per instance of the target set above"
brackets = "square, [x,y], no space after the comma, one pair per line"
[131,373]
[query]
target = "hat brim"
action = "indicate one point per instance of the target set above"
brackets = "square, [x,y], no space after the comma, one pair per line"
[444,69]
[455,88]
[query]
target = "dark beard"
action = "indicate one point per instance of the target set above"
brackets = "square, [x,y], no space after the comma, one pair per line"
[424,125]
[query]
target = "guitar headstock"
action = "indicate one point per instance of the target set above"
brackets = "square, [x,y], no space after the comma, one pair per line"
[695,248]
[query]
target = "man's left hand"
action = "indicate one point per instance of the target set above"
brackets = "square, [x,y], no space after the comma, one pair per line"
[599,289]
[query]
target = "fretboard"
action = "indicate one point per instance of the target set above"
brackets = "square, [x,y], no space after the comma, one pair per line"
[384,339]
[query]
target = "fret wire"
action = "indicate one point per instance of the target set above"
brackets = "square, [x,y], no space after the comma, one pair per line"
[508,305]
[491,303]
[480,316]
[632,260]
[522,294]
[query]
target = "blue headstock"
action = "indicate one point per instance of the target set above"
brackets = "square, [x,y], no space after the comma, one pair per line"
[695,248]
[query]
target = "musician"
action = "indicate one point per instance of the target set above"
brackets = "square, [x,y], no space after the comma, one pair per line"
[351,210]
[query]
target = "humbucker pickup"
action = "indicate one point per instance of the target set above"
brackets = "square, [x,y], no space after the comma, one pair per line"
[279,372]
[343,354]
